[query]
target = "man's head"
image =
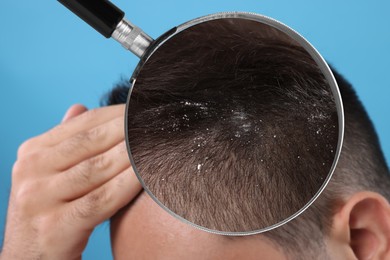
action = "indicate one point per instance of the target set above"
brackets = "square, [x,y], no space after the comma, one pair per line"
[346,219]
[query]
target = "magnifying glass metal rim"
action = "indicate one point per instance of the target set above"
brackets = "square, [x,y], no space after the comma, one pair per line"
[323,66]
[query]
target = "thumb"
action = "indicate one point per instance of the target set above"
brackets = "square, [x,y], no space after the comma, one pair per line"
[73,111]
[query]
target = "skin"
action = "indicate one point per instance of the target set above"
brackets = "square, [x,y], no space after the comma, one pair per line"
[165,237]
[67,181]
[361,230]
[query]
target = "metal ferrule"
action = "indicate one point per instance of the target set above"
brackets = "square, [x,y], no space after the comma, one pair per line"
[132,37]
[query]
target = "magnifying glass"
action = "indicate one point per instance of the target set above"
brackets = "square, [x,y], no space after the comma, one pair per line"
[234,122]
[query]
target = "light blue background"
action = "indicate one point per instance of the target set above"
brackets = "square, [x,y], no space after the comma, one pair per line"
[49,60]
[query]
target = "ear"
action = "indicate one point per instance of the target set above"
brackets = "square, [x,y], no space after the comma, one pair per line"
[361,228]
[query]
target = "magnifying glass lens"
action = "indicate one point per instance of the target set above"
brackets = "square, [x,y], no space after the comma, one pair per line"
[234,123]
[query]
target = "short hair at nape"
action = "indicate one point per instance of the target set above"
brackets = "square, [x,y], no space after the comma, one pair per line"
[290,87]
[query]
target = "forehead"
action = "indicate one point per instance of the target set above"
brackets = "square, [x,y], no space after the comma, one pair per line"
[143,230]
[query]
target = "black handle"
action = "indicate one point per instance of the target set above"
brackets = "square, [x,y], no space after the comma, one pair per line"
[100,14]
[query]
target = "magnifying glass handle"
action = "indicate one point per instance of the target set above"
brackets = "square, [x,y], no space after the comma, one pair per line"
[109,20]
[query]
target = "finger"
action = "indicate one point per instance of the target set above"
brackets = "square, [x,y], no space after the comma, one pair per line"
[102,203]
[61,132]
[92,173]
[74,111]
[86,144]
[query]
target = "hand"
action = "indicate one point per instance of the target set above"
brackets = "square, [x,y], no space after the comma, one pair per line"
[67,181]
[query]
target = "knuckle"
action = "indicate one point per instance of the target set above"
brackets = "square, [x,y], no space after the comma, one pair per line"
[56,131]
[81,176]
[67,147]
[26,190]
[24,195]
[122,148]
[122,180]
[83,173]
[119,123]
[98,163]
[97,198]
[25,147]
[84,140]
[93,202]
[77,142]
[97,133]
[17,169]
[25,164]
[80,138]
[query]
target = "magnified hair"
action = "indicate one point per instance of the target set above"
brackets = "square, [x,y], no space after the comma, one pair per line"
[232,125]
